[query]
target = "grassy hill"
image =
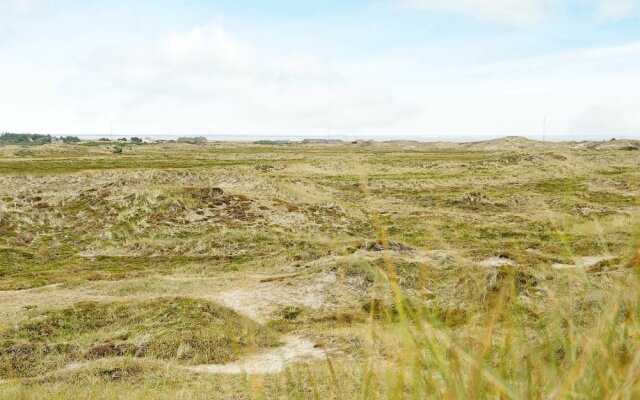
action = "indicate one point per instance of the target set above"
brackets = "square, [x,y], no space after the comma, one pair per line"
[497,269]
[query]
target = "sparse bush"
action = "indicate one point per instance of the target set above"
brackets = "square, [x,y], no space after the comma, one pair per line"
[379,309]
[25,138]
[358,270]
[290,312]
[70,139]
[23,153]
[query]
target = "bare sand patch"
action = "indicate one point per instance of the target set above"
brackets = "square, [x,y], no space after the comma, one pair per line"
[497,262]
[293,350]
[260,300]
[582,262]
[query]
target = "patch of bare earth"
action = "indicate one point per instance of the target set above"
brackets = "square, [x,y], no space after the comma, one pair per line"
[294,349]
[497,262]
[583,262]
[262,298]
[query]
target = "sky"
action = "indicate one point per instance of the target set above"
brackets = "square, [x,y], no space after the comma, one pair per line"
[357,68]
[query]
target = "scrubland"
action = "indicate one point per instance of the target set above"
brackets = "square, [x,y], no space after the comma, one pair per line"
[497,269]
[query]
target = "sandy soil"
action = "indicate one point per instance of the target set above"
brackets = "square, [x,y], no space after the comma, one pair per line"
[497,262]
[294,349]
[258,297]
[582,262]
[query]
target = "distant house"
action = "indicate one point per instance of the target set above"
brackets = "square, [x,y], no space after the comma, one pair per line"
[273,142]
[358,141]
[321,141]
[193,140]
[148,140]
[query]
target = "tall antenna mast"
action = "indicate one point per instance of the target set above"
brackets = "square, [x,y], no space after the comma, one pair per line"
[544,129]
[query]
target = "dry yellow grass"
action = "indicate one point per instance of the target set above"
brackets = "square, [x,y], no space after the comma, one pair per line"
[419,270]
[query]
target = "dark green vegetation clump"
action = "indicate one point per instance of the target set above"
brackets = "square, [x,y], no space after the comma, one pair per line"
[70,139]
[23,153]
[185,330]
[24,138]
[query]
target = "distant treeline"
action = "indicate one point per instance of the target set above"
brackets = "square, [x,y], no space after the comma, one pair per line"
[34,138]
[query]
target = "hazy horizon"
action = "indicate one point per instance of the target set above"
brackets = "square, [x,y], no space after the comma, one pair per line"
[348,137]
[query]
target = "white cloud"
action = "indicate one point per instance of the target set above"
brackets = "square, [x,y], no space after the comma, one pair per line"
[207,45]
[617,9]
[205,80]
[524,12]
[609,118]
[510,12]
[22,6]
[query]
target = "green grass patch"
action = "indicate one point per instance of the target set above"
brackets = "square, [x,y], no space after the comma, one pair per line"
[185,330]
